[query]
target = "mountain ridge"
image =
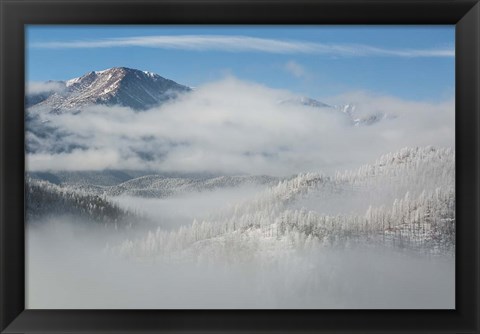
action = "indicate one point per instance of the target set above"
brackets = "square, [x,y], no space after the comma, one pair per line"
[123,86]
[141,90]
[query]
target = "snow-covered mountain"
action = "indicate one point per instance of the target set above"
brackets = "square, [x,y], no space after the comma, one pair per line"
[419,213]
[357,119]
[141,90]
[305,101]
[123,86]
[150,185]
[350,111]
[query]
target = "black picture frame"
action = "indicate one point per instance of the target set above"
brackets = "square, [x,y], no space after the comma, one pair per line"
[15,14]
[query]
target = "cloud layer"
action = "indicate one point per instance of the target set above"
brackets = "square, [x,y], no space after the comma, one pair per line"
[40,87]
[238,127]
[246,44]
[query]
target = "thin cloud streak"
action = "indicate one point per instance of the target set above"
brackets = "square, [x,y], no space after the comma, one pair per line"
[245,44]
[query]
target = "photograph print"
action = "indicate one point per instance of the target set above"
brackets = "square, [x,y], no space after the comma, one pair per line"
[240,167]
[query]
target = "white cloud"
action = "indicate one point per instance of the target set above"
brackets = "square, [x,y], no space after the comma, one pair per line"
[233,126]
[92,159]
[295,69]
[39,87]
[245,44]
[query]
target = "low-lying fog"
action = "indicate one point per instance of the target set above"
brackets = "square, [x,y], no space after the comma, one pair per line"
[182,209]
[68,267]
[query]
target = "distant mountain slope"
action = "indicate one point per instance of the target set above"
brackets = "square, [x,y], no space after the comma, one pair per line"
[141,184]
[103,178]
[44,199]
[348,110]
[159,186]
[35,96]
[305,101]
[123,86]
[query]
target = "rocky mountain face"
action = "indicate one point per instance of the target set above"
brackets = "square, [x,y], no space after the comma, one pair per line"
[122,86]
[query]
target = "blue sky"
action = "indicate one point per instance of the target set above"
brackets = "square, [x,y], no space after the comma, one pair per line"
[410,62]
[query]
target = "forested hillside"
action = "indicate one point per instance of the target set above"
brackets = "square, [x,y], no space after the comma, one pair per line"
[46,200]
[414,190]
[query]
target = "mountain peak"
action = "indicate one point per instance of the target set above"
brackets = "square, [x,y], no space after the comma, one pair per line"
[122,86]
[126,70]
